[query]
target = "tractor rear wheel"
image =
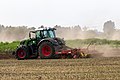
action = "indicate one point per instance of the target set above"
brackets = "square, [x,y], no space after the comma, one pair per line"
[22,53]
[46,50]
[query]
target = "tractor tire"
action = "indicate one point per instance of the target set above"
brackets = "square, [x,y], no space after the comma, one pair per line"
[22,53]
[46,50]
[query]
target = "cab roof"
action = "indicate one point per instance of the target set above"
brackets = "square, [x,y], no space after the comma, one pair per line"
[42,29]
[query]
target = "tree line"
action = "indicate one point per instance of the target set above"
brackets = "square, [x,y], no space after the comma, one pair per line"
[11,33]
[76,32]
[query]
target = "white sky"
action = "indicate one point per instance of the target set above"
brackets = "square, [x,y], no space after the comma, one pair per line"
[90,13]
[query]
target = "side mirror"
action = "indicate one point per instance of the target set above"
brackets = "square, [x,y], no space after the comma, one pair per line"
[29,35]
[32,35]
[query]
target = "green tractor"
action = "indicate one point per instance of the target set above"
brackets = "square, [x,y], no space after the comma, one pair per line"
[42,42]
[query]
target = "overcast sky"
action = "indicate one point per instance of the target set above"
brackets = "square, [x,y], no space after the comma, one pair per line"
[90,13]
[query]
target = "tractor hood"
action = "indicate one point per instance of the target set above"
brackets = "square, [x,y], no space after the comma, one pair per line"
[56,41]
[24,42]
[60,41]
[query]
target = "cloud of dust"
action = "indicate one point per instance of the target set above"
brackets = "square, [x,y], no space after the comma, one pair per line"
[9,34]
[70,33]
[104,51]
[7,37]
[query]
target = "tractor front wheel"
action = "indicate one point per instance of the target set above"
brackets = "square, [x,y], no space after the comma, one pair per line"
[21,53]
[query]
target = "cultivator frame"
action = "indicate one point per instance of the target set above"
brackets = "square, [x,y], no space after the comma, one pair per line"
[73,53]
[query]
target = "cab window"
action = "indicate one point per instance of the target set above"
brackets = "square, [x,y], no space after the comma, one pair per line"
[38,34]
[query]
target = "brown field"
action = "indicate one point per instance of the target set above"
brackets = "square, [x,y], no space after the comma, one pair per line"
[61,69]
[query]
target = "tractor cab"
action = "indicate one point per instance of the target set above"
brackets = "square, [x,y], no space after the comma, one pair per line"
[42,33]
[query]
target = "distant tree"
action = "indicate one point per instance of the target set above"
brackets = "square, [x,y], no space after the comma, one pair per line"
[1,27]
[92,33]
[57,26]
[78,28]
[85,28]
[32,28]
[109,27]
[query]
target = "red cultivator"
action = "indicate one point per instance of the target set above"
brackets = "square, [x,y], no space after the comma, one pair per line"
[73,53]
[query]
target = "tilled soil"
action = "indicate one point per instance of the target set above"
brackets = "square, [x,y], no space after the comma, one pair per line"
[6,56]
[61,69]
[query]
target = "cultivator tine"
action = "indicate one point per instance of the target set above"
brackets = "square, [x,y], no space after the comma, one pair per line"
[83,55]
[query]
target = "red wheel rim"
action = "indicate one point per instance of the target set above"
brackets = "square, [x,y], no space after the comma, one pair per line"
[21,53]
[46,50]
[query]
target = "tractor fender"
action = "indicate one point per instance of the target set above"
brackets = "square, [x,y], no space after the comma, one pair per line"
[52,41]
